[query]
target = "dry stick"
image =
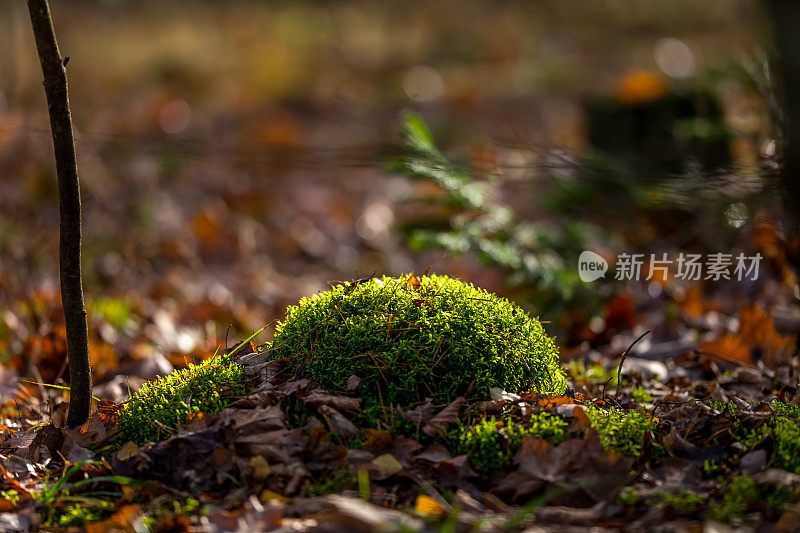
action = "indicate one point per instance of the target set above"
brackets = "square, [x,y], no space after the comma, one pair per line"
[622,361]
[55,86]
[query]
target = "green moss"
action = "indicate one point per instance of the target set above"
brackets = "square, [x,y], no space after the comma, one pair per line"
[743,494]
[166,510]
[75,515]
[11,495]
[640,395]
[711,469]
[155,412]
[787,444]
[490,445]
[441,339]
[628,496]
[621,431]
[780,434]
[684,502]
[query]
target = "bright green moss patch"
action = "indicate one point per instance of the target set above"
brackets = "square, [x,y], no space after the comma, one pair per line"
[439,338]
[490,445]
[785,428]
[155,412]
[621,431]
[780,435]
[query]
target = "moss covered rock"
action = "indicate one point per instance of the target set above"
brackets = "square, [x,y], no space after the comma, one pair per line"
[412,338]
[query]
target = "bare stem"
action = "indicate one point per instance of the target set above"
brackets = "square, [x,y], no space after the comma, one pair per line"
[55,86]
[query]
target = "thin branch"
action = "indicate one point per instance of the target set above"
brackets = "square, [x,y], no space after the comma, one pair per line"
[622,361]
[55,86]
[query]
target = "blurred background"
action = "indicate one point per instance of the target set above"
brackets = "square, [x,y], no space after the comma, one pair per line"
[236,156]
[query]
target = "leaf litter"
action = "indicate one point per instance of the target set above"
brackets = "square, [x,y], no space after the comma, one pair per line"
[290,455]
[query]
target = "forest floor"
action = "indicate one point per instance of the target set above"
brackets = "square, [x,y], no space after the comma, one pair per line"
[231,166]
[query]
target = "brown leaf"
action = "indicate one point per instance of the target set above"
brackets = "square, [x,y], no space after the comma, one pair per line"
[435,453]
[490,407]
[337,422]
[445,417]
[320,397]
[123,519]
[539,464]
[276,446]
[376,439]
[756,336]
[254,516]
[292,387]
[353,382]
[457,468]
[420,414]
[252,421]
[580,417]
[404,449]
[94,431]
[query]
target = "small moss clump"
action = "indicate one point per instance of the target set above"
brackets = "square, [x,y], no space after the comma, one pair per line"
[412,338]
[640,395]
[780,434]
[155,412]
[684,502]
[621,431]
[743,494]
[490,445]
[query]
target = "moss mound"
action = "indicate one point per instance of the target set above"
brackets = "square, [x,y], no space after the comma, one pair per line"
[155,412]
[411,338]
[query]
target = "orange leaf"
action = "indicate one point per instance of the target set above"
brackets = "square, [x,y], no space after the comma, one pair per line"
[756,338]
[427,505]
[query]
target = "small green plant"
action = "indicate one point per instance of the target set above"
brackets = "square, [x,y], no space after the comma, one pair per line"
[467,216]
[628,496]
[723,407]
[684,502]
[743,494]
[491,444]
[68,504]
[621,431]
[156,411]
[640,395]
[780,434]
[787,444]
[412,338]
[711,468]
[739,495]
[164,510]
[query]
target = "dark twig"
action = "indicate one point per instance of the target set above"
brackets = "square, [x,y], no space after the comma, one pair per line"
[622,361]
[69,198]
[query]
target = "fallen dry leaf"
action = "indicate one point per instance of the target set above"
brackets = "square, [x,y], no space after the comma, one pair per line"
[426,505]
[757,339]
[444,418]
[387,465]
[319,397]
